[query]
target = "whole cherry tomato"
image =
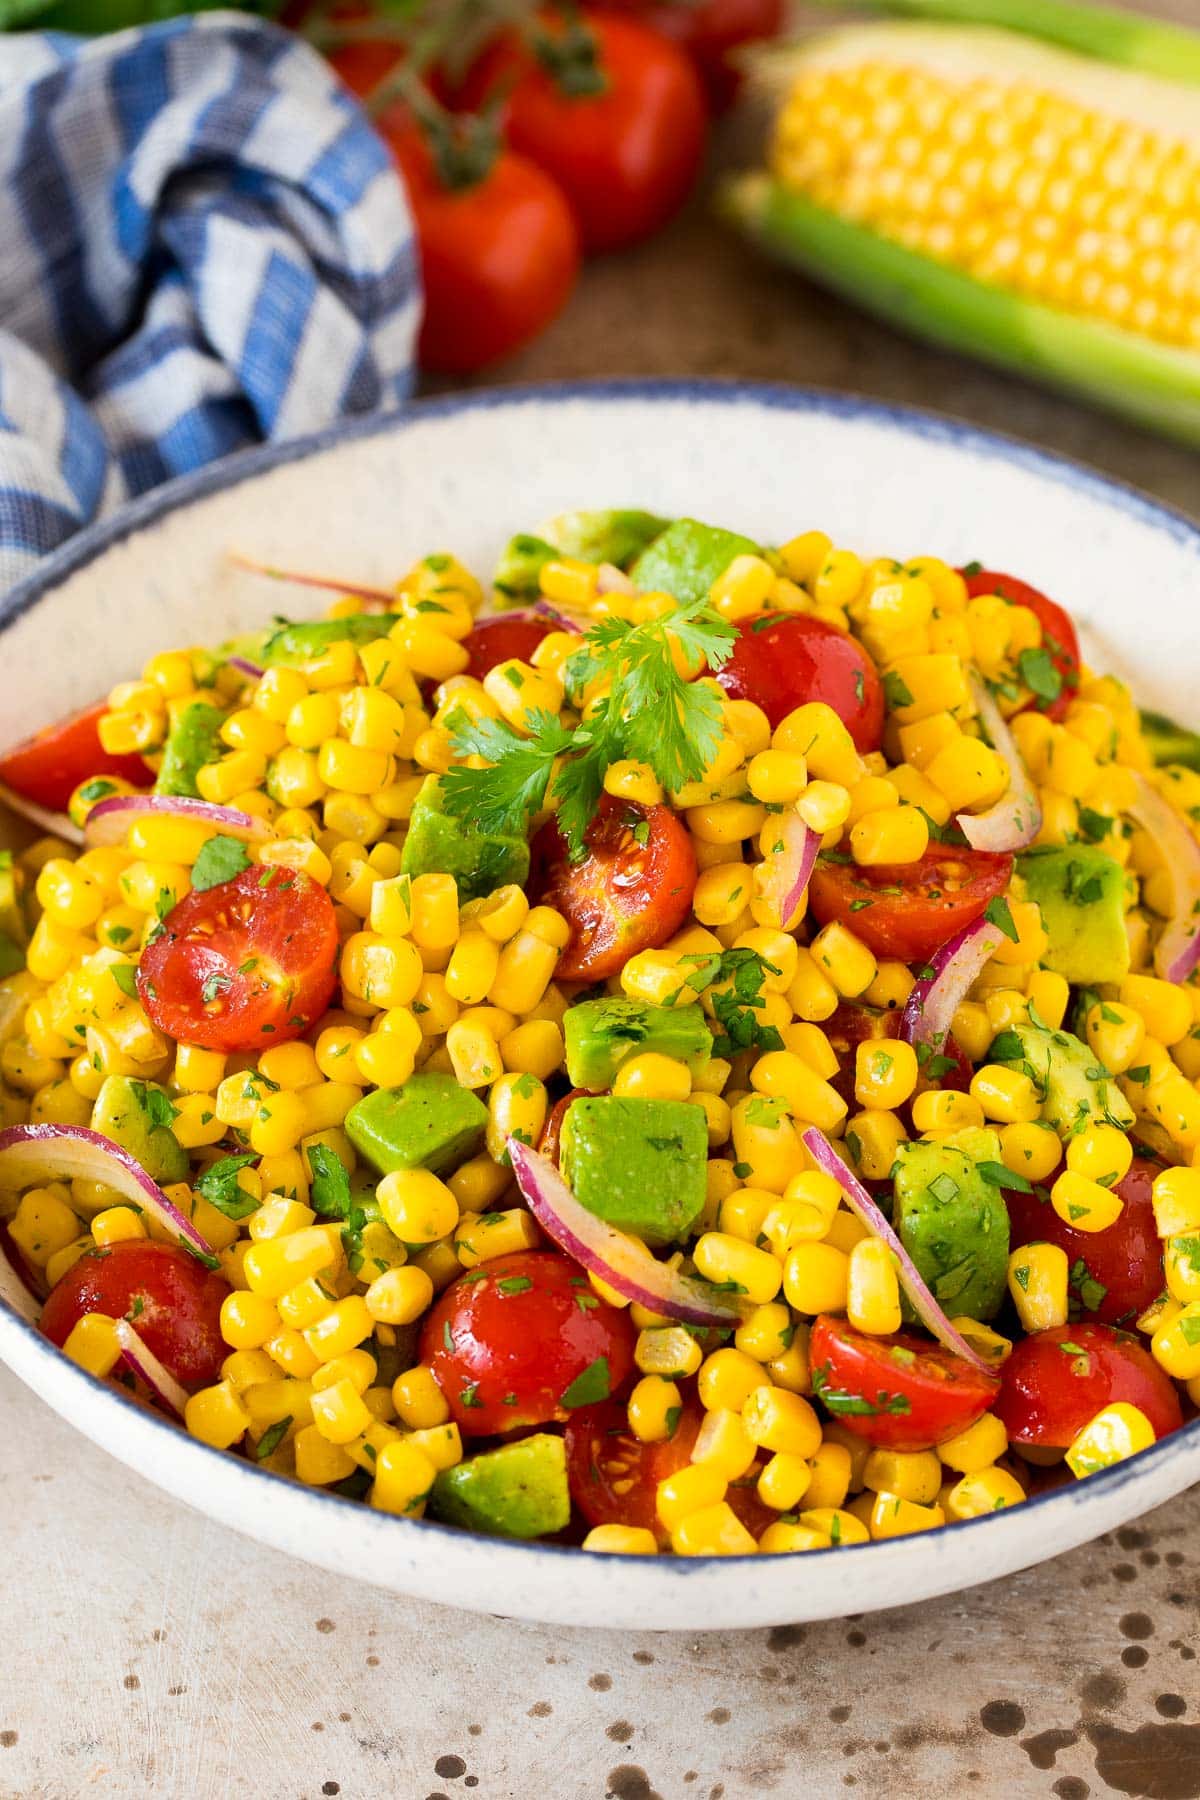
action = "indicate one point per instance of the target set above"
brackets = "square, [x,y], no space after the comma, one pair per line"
[901,1392]
[614,1477]
[496,640]
[611,110]
[172,1301]
[524,1340]
[1056,1381]
[1115,1273]
[49,767]
[909,910]
[499,254]
[631,891]
[246,964]
[1058,633]
[784,660]
[709,30]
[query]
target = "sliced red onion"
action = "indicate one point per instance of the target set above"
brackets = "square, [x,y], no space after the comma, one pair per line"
[330,583]
[109,820]
[786,871]
[244,667]
[561,621]
[146,1366]
[865,1209]
[930,1008]
[1178,948]
[57,824]
[1016,818]
[611,580]
[615,1257]
[32,1153]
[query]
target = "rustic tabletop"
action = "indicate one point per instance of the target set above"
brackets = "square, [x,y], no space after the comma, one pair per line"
[150,1653]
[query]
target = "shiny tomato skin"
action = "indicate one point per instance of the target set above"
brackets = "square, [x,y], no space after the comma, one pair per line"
[499,257]
[524,1325]
[48,767]
[625,895]
[495,641]
[614,1477]
[914,908]
[1126,1259]
[172,1301]
[550,1141]
[1058,633]
[627,156]
[938,1394]
[784,660]
[265,945]
[710,31]
[1056,1381]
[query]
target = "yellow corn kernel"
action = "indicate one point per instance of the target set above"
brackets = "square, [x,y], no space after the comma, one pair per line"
[811,995]
[1176,1194]
[900,835]
[691,1489]
[873,1289]
[941,1109]
[722,1444]
[727,1378]
[830,1470]
[846,961]
[517,1107]
[873,1137]
[1084,1204]
[478,1183]
[43,1224]
[442,1444]
[784,1539]
[217,1416]
[914,1475]
[1115,1034]
[93,1344]
[418,1207]
[791,1370]
[1164,1008]
[777,1420]
[744,588]
[653,1409]
[1116,1432]
[1049,994]
[248,1320]
[838,1523]
[524,972]
[743,1211]
[816,1278]
[712,1531]
[419,1401]
[765,1141]
[621,1540]
[472,967]
[318,1462]
[667,1350]
[651,1076]
[1032,1150]
[1101,1153]
[517,689]
[982,1492]
[358,1367]
[1038,1280]
[885,1073]
[968,773]
[404,1474]
[781,1075]
[274,1266]
[766,1332]
[975,1449]
[721,1258]
[384,972]
[339,1412]
[474,1055]
[535,1048]
[346,1325]
[481,1240]
[1181,1265]
[304,1303]
[291,1353]
[198,1071]
[893,1516]
[815,732]
[399,1296]
[117,1225]
[1006,1095]
[1175,1344]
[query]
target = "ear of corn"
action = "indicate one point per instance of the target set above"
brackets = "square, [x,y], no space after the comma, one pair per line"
[1024,204]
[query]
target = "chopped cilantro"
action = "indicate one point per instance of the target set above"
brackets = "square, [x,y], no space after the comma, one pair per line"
[220,859]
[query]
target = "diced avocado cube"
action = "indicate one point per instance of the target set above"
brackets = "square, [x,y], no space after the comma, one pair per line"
[614,536]
[1073,1082]
[602,1034]
[429,1123]
[1081,893]
[194,739]
[295,642]
[952,1220]
[687,558]
[639,1164]
[1168,742]
[438,843]
[521,563]
[516,1491]
[137,1115]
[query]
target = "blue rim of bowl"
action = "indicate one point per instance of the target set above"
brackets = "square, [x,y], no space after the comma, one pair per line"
[245,466]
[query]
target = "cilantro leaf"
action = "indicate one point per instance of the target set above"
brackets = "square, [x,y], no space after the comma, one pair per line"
[998,912]
[1037,671]
[330,1193]
[220,859]
[594,1383]
[125,976]
[219,1186]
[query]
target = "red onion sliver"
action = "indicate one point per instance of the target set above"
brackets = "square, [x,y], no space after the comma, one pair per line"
[57,824]
[787,869]
[1016,818]
[332,584]
[244,667]
[865,1209]
[542,609]
[610,1254]
[1178,949]
[31,1153]
[146,1366]
[930,1008]
[109,820]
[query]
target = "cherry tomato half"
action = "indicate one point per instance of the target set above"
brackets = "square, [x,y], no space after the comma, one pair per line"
[631,892]
[1056,1381]
[550,1141]
[614,1477]
[244,965]
[496,640]
[784,660]
[49,767]
[908,911]
[1058,633]
[622,136]
[523,1340]
[709,30]
[901,1392]
[499,256]
[172,1301]
[1116,1273]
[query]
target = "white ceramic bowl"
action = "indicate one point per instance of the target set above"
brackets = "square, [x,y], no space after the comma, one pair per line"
[463,474]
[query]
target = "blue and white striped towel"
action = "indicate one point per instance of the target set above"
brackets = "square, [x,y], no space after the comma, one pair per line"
[202,244]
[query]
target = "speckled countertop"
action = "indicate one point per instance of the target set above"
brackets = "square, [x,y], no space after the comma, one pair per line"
[150,1654]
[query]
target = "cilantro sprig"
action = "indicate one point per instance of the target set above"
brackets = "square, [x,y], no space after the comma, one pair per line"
[650,713]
